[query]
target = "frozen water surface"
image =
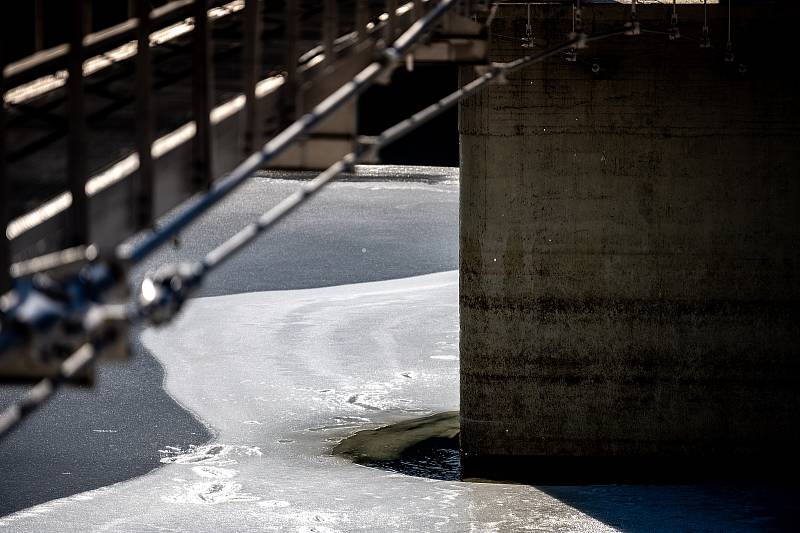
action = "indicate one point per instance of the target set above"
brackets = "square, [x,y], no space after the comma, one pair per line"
[360,357]
[363,229]
[281,376]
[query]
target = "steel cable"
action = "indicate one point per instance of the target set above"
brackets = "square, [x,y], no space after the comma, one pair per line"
[37,396]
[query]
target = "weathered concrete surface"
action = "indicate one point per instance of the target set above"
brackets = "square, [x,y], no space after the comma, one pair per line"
[629,281]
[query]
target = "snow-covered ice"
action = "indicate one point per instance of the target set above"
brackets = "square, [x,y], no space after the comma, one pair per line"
[312,366]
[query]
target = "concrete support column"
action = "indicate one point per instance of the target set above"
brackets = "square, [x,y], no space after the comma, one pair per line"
[629,250]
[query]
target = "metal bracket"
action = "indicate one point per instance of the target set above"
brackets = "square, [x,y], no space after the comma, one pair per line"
[45,319]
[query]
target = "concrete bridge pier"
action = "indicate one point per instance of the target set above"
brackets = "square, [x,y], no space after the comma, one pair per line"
[629,252]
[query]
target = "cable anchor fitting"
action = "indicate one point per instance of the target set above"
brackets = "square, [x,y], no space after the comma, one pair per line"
[705,41]
[633,26]
[730,57]
[527,41]
[674,31]
[163,293]
[45,318]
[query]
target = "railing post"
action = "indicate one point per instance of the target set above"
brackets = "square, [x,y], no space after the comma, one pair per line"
[88,16]
[362,18]
[143,185]
[202,94]
[38,25]
[5,189]
[418,9]
[330,25]
[391,23]
[290,105]
[252,70]
[78,227]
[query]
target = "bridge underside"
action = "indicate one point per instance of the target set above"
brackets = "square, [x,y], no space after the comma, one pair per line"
[629,264]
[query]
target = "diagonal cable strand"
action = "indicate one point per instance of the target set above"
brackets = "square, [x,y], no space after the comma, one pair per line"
[37,396]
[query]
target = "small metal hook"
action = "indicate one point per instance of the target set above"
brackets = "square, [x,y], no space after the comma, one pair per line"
[527,41]
[674,31]
[706,40]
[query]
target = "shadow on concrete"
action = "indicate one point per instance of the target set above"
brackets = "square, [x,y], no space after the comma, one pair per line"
[427,447]
[707,507]
[89,438]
